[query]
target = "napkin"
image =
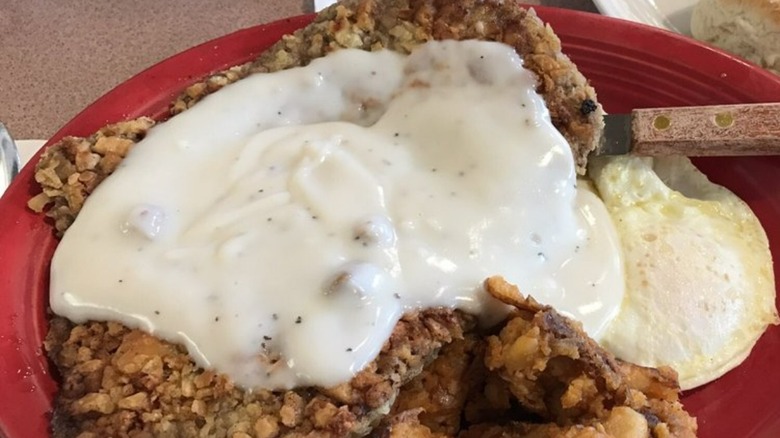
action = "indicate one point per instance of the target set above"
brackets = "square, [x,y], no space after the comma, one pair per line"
[322,4]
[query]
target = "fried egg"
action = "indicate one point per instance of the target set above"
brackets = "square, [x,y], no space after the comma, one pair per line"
[700,288]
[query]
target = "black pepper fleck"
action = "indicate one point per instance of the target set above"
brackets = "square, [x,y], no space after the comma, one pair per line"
[588,106]
[397,296]
[216,319]
[275,316]
[298,320]
[156,312]
[270,219]
[349,350]
[267,338]
[121,281]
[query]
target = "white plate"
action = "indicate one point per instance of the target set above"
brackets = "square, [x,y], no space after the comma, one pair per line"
[674,15]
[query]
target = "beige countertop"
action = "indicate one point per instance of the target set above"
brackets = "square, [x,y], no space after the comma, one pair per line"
[57,56]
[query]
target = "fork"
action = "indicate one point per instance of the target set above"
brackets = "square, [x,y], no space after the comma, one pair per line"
[9,159]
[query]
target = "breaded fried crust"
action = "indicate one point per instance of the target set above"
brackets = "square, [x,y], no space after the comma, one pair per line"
[557,372]
[622,422]
[406,424]
[440,391]
[71,169]
[401,25]
[120,382]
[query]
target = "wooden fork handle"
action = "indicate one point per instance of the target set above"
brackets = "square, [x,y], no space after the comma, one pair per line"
[745,129]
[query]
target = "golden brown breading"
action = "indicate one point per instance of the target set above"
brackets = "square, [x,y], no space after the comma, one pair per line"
[622,422]
[557,372]
[121,382]
[406,424]
[70,170]
[524,430]
[440,391]
[490,401]
[400,25]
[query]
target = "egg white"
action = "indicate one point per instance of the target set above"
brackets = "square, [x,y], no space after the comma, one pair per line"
[700,287]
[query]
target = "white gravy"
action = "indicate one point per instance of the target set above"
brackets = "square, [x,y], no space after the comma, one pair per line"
[281,227]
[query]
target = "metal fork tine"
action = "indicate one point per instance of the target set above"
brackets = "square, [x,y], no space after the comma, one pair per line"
[9,158]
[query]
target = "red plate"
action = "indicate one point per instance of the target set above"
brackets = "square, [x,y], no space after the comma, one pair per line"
[629,64]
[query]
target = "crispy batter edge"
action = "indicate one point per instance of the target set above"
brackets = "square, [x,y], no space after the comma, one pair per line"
[71,169]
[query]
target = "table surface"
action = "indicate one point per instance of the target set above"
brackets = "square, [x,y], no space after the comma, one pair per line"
[60,55]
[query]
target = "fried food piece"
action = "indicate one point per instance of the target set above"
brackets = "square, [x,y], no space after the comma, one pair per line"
[490,401]
[622,422]
[406,424]
[557,372]
[439,393]
[400,25]
[121,382]
[72,168]
[522,430]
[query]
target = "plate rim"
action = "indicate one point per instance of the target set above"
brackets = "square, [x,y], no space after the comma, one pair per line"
[69,128]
